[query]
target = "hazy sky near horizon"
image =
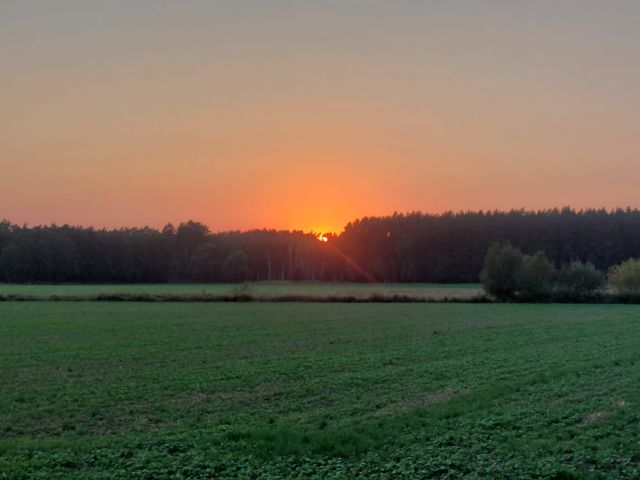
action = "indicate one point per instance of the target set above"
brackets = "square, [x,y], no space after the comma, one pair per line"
[307,114]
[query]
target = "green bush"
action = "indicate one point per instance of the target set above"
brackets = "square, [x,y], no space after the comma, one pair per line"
[579,280]
[625,278]
[536,277]
[502,268]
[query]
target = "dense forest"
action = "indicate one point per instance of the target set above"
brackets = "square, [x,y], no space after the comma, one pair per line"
[413,247]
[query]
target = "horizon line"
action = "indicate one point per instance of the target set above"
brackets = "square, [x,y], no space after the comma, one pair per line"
[407,213]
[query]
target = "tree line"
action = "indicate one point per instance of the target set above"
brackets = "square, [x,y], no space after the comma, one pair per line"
[413,247]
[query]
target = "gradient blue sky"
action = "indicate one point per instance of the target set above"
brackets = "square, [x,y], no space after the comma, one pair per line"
[308,114]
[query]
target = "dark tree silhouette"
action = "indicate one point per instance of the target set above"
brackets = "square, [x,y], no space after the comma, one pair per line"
[188,237]
[413,247]
[234,268]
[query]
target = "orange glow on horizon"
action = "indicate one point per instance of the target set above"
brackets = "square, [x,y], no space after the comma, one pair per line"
[99,129]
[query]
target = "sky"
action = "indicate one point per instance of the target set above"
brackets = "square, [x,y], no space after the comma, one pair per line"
[308,114]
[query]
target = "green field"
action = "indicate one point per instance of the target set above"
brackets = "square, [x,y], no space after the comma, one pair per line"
[424,290]
[308,390]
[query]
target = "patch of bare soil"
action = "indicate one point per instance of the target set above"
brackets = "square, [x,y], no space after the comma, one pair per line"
[598,416]
[439,396]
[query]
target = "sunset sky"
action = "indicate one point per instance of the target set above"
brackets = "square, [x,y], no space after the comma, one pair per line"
[308,114]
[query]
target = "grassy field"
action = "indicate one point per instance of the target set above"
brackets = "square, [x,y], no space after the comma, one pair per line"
[303,390]
[424,290]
